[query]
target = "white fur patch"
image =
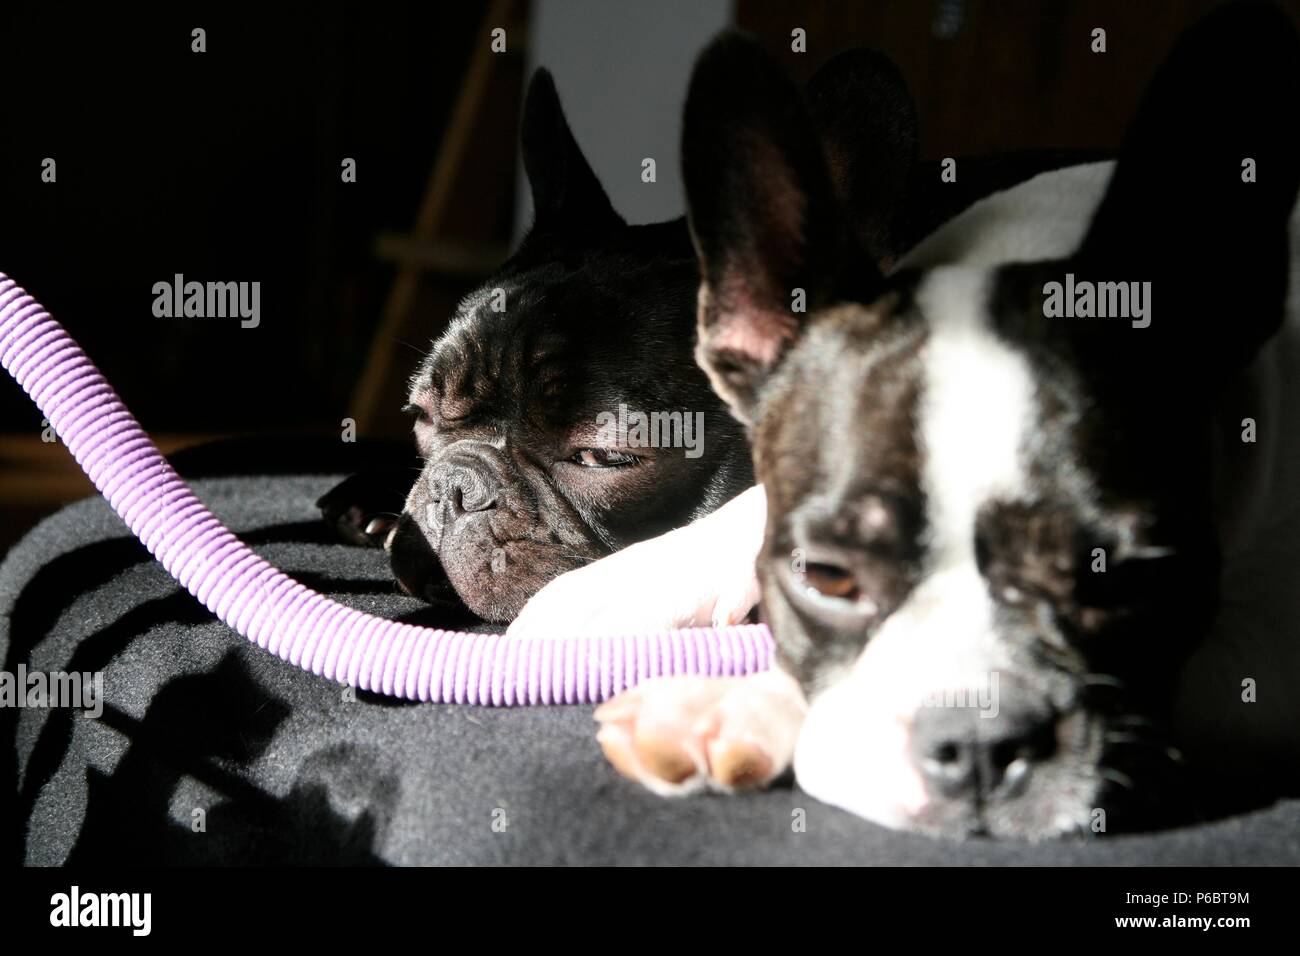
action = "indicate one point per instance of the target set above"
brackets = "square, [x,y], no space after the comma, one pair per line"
[1042,218]
[978,412]
[698,575]
[855,750]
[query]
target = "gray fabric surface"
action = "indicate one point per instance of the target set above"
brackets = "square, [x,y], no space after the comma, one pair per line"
[287,770]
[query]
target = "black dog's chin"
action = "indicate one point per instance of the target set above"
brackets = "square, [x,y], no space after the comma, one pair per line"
[415,565]
[493,582]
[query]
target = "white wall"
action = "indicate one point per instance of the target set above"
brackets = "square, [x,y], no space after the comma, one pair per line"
[622,67]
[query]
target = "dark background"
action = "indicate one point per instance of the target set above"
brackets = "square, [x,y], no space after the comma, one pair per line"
[225,166]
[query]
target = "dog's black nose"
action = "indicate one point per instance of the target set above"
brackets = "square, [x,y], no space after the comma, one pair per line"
[983,752]
[463,489]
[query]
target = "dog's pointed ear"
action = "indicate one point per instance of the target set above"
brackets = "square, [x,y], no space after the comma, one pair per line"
[772,243]
[1203,191]
[566,193]
[861,108]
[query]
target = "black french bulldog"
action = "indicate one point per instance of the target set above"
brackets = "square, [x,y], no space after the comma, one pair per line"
[518,482]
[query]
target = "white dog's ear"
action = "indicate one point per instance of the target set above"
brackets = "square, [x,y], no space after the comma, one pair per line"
[772,241]
[1204,188]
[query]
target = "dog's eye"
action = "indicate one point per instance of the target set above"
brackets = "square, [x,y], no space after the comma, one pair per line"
[602,458]
[832,581]
[416,412]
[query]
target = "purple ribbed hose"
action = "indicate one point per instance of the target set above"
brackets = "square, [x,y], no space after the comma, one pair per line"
[289,619]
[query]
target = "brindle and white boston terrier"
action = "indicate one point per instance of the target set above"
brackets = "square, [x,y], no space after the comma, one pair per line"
[1014,561]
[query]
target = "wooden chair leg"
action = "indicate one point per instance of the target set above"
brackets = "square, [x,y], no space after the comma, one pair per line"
[428,222]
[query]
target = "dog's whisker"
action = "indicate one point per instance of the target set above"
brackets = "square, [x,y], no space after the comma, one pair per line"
[1103,680]
[1123,738]
[1118,778]
[417,349]
[1133,720]
[1149,743]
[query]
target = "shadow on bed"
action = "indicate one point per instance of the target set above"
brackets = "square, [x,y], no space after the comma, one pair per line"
[284,767]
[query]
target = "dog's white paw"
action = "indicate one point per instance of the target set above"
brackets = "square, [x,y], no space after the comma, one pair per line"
[679,735]
[699,575]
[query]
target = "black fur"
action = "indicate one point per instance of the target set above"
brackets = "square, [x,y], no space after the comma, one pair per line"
[598,314]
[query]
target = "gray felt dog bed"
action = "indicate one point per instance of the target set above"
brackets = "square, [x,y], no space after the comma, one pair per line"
[286,770]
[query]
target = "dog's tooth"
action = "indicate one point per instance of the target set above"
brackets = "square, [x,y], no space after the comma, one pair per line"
[1152,553]
[379,525]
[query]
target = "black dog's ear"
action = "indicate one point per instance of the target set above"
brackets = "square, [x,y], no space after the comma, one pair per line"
[566,193]
[1203,190]
[864,114]
[772,243]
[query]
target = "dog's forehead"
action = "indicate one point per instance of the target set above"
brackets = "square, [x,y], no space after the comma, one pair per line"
[927,381]
[841,404]
[933,404]
[979,409]
[537,311]
[557,342]
[500,329]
